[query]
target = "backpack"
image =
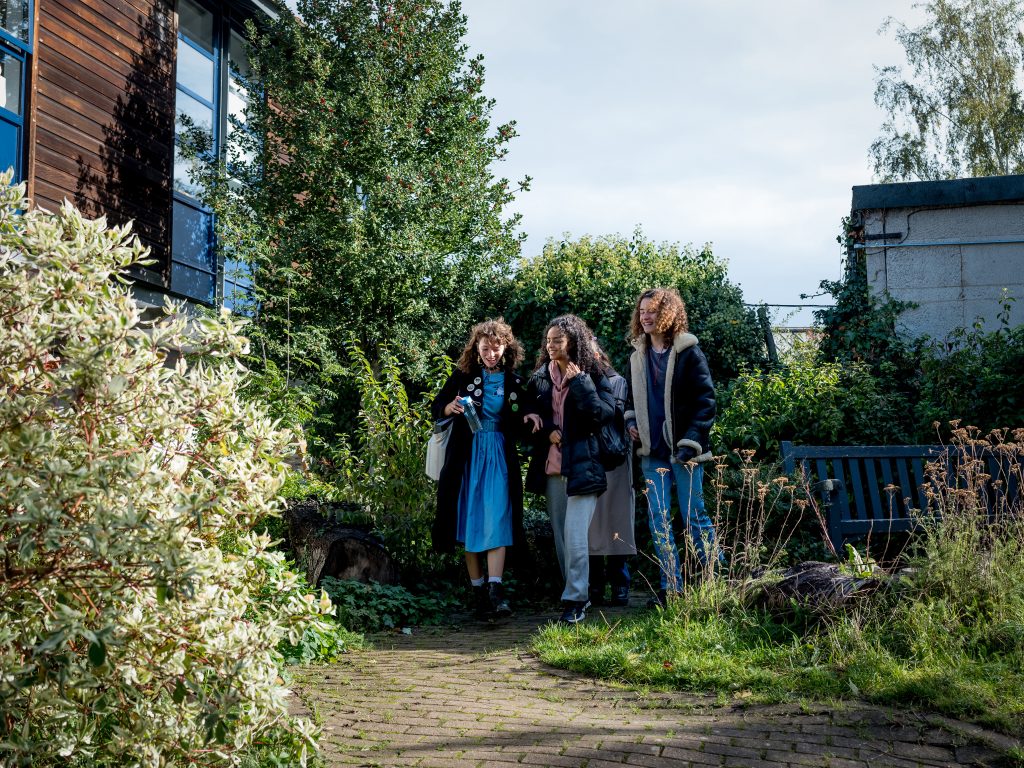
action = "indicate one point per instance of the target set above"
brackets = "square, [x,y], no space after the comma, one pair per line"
[612,446]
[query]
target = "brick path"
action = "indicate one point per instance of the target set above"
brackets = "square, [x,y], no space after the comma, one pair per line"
[477,697]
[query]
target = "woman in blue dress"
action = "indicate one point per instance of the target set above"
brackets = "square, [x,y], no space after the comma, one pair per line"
[480,490]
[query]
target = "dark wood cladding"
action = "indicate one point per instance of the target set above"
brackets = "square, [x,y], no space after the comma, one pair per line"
[103,113]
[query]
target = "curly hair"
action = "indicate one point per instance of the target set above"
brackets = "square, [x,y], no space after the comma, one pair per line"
[580,347]
[671,311]
[499,332]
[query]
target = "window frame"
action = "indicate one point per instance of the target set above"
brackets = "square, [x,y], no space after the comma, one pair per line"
[22,50]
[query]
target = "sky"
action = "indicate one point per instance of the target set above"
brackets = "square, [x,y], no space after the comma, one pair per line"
[743,124]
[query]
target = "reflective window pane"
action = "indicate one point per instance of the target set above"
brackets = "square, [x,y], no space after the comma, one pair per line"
[195,71]
[193,283]
[192,237]
[195,23]
[238,59]
[182,182]
[200,115]
[14,18]
[10,83]
[9,135]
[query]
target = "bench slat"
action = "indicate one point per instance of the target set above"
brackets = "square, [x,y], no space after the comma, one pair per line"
[919,483]
[858,488]
[876,493]
[906,488]
[866,451]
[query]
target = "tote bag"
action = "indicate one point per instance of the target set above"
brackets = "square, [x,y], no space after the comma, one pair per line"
[437,444]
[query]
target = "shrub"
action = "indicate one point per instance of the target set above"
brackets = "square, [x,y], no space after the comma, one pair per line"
[130,487]
[381,471]
[373,607]
[599,279]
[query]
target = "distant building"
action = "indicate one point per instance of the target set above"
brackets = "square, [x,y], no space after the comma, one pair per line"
[951,247]
[90,93]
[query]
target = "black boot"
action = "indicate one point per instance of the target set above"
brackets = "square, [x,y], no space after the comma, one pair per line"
[481,603]
[498,602]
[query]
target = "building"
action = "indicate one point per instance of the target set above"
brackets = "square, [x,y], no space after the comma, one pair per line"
[951,247]
[92,93]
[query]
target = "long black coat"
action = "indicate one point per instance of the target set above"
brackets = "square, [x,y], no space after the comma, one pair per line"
[589,404]
[459,453]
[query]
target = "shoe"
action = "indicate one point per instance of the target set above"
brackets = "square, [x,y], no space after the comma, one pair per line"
[496,597]
[660,600]
[596,598]
[620,596]
[575,611]
[481,603]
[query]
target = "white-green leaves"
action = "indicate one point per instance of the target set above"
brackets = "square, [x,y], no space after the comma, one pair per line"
[129,634]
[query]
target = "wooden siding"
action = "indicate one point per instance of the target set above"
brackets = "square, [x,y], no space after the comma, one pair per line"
[103,114]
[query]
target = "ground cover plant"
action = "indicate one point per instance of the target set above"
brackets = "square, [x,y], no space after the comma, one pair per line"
[140,614]
[946,633]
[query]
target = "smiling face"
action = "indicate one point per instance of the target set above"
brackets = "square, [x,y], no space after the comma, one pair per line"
[648,315]
[557,345]
[490,351]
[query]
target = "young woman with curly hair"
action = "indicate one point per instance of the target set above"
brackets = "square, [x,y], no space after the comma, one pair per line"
[573,399]
[480,491]
[670,410]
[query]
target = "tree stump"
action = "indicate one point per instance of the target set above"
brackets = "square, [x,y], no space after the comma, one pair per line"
[327,548]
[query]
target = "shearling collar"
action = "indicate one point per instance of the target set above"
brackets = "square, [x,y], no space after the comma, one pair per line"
[679,343]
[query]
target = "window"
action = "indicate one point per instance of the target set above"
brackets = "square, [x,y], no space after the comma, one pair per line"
[15,46]
[210,64]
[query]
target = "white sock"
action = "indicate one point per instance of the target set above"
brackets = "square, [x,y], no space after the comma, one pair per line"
[494,580]
[477,582]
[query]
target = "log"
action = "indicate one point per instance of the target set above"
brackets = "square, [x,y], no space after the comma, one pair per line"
[324,547]
[820,588]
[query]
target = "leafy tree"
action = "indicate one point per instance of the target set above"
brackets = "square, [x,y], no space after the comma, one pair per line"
[599,279]
[140,615]
[959,112]
[360,189]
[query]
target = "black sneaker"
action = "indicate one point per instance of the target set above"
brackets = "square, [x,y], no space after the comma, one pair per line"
[620,596]
[575,611]
[496,597]
[659,600]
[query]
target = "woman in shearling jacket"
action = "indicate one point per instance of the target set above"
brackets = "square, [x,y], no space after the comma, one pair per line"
[573,399]
[480,491]
[670,411]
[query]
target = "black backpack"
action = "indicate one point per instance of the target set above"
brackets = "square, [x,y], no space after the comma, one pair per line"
[612,445]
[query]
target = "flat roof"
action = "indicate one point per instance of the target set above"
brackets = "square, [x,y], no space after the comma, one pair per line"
[906,194]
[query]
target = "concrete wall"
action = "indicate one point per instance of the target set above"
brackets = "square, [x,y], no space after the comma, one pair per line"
[954,261]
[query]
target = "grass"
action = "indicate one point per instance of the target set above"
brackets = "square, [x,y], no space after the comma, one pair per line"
[947,634]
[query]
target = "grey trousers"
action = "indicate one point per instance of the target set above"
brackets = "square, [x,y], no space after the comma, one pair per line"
[570,521]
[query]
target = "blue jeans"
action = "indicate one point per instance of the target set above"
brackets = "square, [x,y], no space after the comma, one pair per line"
[688,479]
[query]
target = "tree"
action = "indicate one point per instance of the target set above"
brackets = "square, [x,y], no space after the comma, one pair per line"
[599,279]
[959,112]
[361,190]
[140,615]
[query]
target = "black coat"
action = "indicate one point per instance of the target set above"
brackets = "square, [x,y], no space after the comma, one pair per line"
[589,403]
[458,453]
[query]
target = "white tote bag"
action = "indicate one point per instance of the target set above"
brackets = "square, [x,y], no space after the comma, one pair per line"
[437,444]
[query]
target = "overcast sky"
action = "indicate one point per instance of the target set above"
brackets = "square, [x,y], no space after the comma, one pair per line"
[743,124]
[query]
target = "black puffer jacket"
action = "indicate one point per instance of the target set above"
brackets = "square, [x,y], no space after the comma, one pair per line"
[458,453]
[589,404]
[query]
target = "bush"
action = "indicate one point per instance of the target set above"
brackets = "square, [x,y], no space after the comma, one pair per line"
[809,401]
[130,490]
[373,607]
[599,279]
[382,471]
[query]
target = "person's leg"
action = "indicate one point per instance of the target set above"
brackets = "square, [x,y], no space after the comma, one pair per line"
[473,567]
[617,569]
[495,563]
[495,589]
[658,477]
[598,579]
[557,501]
[689,480]
[481,602]
[578,514]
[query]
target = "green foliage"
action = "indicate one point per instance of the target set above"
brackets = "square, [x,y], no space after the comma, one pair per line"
[375,607]
[960,111]
[382,471]
[323,644]
[944,634]
[808,401]
[139,614]
[599,279]
[974,377]
[361,189]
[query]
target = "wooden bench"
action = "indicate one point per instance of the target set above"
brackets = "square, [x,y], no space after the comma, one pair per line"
[864,489]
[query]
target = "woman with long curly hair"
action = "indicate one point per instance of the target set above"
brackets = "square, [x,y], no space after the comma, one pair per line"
[670,411]
[480,490]
[573,399]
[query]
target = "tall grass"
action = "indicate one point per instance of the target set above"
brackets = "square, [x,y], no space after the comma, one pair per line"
[945,633]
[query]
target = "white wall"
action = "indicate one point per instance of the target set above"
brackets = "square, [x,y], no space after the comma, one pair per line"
[953,277]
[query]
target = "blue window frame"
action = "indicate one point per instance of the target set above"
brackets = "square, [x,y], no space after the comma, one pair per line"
[15,48]
[210,53]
